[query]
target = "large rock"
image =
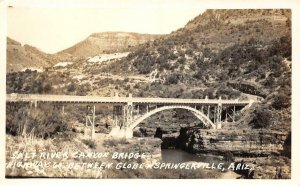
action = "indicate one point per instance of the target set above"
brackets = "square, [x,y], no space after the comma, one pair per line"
[245,142]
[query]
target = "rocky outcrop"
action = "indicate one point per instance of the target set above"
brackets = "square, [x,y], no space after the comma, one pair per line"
[107,42]
[243,143]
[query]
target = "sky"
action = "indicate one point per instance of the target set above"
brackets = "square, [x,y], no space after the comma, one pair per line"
[52,26]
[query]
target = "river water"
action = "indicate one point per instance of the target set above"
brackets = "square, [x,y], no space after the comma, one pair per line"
[179,156]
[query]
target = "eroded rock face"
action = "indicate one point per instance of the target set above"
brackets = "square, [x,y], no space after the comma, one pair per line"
[244,143]
[170,140]
[108,42]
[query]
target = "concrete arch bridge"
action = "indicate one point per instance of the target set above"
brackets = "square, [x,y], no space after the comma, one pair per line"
[129,112]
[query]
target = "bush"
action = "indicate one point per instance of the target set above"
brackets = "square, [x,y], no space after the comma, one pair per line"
[262,118]
[90,143]
[281,101]
[172,79]
[43,122]
[228,156]
[115,142]
[71,87]
[181,60]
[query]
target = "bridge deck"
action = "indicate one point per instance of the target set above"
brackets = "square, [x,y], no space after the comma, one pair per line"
[121,100]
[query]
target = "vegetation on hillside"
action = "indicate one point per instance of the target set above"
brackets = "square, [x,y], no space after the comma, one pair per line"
[202,59]
[232,54]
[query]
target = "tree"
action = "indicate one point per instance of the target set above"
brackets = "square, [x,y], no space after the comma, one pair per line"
[181,60]
[281,101]
[172,79]
[47,87]
[71,87]
[262,118]
[228,156]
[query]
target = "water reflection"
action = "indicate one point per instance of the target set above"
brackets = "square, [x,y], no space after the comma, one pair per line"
[178,156]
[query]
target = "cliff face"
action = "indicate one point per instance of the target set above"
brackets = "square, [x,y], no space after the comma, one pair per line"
[107,42]
[244,143]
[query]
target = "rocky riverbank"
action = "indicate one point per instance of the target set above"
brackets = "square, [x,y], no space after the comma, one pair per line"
[264,150]
[248,142]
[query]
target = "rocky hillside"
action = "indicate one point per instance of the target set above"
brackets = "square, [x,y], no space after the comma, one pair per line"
[235,54]
[206,36]
[20,57]
[218,53]
[107,42]
[212,51]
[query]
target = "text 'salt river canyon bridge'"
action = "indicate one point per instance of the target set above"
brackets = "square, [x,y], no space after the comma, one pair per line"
[128,112]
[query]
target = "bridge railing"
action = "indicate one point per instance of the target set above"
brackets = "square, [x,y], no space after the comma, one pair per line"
[96,99]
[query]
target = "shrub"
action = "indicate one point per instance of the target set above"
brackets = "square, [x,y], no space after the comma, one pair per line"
[115,142]
[43,122]
[228,156]
[90,143]
[262,118]
[281,101]
[181,60]
[136,86]
[172,79]
[71,87]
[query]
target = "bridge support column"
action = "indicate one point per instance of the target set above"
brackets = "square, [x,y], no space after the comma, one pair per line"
[124,116]
[226,118]
[219,115]
[116,113]
[208,111]
[215,111]
[86,125]
[90,118]
[219,125]
[128,115]
[233,115]
[93,121]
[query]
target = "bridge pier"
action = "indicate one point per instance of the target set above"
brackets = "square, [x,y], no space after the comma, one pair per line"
[208,111]
[233,115]
[129,114]
[226,119]
[117,132]
[219,114]
[90,118]
[93,121]
[117,115]
[219,125]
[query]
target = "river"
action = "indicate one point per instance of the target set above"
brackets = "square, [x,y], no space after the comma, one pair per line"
[178,156]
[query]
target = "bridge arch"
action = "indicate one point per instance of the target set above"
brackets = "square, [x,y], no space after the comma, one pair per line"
[202,117]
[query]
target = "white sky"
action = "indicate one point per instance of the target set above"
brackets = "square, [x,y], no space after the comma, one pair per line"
[52,26]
